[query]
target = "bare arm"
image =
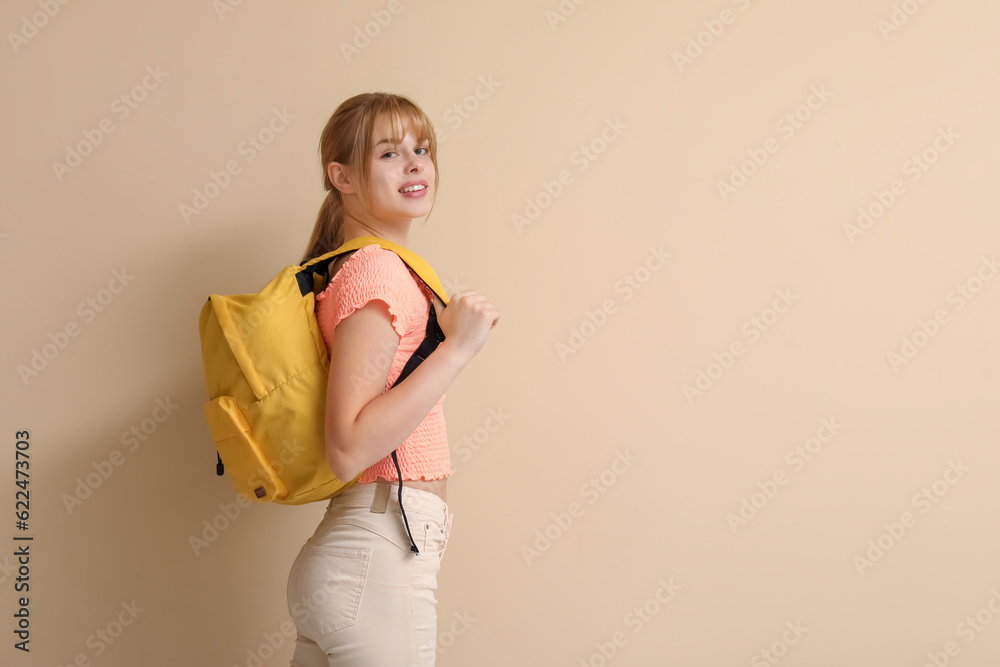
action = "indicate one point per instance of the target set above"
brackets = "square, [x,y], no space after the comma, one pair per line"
[363,425]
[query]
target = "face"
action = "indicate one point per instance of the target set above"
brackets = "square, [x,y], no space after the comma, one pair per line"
[398,170]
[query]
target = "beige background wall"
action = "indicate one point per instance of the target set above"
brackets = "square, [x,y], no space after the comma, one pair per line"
[847,105]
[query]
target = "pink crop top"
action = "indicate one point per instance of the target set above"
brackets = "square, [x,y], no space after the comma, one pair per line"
[375,273]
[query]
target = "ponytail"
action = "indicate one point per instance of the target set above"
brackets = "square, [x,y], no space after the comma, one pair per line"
[329,229]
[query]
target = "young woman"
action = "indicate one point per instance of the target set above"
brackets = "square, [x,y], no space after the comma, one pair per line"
[358,593]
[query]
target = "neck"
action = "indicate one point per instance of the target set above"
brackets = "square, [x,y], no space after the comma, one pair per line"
[396,231]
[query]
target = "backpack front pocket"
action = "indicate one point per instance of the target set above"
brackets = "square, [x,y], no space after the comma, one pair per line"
[245,462]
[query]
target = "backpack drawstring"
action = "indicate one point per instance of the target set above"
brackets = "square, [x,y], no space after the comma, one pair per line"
[399,476]
[433,337]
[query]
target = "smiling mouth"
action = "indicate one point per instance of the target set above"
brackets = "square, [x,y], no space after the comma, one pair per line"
[414,188]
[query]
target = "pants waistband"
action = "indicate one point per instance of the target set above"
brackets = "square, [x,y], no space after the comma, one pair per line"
[380,496]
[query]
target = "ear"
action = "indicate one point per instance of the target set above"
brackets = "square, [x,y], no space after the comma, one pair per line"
[340,177]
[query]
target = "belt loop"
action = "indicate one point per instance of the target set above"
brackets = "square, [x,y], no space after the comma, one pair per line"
[381,497]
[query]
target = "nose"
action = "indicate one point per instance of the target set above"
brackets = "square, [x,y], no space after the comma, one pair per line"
[414,163]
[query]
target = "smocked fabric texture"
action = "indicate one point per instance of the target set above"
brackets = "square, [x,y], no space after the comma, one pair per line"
[375,273]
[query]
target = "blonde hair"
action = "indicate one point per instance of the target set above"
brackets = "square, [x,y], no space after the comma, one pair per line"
[347,139]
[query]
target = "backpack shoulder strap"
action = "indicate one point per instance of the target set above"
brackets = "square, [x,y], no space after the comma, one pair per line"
[410,258]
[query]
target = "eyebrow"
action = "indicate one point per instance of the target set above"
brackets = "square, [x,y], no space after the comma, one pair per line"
[393,141]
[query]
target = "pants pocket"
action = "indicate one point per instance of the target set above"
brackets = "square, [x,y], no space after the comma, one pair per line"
[325,594]
[435,534]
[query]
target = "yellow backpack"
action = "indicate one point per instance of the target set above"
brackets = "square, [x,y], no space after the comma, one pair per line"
[266,369]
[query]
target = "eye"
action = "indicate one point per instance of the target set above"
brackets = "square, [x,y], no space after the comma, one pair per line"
[422,148]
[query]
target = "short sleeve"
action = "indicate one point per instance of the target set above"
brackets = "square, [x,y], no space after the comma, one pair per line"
[371,273]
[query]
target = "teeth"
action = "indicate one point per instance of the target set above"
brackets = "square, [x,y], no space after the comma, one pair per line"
[412,188]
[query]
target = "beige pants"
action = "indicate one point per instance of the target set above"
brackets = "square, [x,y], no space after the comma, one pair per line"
[357,594]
